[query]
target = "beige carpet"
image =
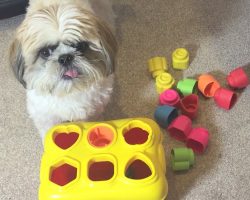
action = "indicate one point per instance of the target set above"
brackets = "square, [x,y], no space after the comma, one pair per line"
[217,34]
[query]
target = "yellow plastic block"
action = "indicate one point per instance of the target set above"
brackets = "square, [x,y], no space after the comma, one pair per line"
[157,65]
[115,160]
[163,82]
[180,59]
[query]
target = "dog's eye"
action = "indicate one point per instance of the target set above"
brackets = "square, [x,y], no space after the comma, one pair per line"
[81,46]
[45,52]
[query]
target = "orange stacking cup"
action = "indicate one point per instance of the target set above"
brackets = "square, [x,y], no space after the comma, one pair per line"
[208,85]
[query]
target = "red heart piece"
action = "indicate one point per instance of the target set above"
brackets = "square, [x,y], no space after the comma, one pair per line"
[66,140]
[189,105]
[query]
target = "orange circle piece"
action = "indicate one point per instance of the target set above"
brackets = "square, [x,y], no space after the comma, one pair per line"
[208,85]
[101,136]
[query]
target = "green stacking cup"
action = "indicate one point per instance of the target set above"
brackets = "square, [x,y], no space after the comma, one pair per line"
[182,159]
[187,86]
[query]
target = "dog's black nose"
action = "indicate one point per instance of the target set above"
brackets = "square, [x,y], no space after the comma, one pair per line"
[66,59]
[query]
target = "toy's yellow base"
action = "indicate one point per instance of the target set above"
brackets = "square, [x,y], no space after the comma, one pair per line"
[116,160]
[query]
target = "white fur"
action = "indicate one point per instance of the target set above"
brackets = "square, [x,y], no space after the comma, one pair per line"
[102,8]
[48,110]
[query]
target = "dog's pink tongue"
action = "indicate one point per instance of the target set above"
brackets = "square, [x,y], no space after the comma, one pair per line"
[71,73]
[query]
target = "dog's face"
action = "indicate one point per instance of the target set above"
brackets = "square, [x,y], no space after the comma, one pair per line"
[62,48]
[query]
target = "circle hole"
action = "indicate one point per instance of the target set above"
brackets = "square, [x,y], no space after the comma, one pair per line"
[101,136]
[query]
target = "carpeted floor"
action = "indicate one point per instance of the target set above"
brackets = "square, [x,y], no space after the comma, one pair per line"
[217,33]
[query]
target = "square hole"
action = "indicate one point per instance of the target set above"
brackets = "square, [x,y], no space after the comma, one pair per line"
[101,171]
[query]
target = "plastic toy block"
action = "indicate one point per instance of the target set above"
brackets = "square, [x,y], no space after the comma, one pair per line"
[169,97]
[189,106]
[157,65]
[238,78]
[122,159]
[164,115]
[163,82]
[208,85]
[182,159]
[180,128]
[198,140]
[225,98]
[180,59]
[187,86]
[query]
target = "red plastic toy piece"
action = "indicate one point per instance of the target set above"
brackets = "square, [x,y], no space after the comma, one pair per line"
[225,98]
[169,97]
[238,78]
[189,105]
[180,128]
[198,140]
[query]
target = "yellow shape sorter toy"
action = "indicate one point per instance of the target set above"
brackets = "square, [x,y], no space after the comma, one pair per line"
[115,160]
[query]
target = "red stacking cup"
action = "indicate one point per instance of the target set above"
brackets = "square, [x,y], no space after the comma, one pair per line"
[189,105]
[180,128]
[198,140]
[238,78]
[225,98]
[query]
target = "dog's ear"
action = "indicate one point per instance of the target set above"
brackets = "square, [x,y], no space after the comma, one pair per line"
[16,61]
[108,45]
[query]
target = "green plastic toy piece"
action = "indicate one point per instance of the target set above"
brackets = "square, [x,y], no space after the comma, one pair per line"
[182,159]
[187,86]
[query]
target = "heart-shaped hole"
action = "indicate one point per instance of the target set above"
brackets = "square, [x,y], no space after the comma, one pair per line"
[66,140]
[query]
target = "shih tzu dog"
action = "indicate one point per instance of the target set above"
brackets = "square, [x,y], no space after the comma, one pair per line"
[64,55]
